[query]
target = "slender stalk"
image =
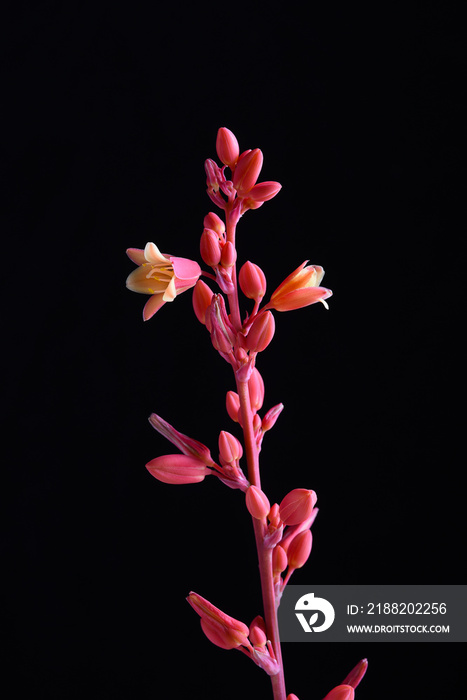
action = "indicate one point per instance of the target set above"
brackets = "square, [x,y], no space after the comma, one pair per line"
[264,553]
[252,457]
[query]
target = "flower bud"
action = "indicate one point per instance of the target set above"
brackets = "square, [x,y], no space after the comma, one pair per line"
[264,191]
[221,629]
[247,171]
[222,334]
[232,403]
[215,223]
[299,549]
[213,174]
[273,516]
[256,423]
[229,255]
[185,444]
[297,506]
[227,147]
[202,296]
[341,692]
[271,416]
[230,449]
[178,469]
[356,674]
[258,632]
[252,281]
[279,560]
[256,389]
[209,247]
[257,503]
[292,696]
[261,332]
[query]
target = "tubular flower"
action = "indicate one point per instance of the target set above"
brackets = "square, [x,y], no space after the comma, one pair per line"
[162,276]
[300,289]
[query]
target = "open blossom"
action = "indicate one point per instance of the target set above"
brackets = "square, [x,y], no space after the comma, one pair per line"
[299,289]
[161,276]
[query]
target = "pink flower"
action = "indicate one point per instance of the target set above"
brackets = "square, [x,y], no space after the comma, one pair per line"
[300,289]
[162,276]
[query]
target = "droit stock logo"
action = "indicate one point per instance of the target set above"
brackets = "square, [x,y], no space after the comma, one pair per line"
[309,604]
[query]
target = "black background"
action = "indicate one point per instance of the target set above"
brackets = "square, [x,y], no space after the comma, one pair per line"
[109,113]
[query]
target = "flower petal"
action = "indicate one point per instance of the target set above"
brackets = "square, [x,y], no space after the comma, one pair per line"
[137,255]
[152,305]
[171,291]
[153,254]
[185,269]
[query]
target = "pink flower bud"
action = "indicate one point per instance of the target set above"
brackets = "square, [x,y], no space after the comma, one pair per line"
[279,560]
[293,530]
[202,296]
[271,416]
[257,634]
[256,389]
[263,191]
[297,506]
[178,469]
[256,423]
[229,255]
[213,174]
[215,223]
[185,444]
[222,333]
[230,449]
[209,247]
[299,549]
[356,674]
[232,403]
[273,516]
[261,332]
[252,281]
[247,171]
[341,692]
[257,503]
[292,696]
[227,147]
[221,629]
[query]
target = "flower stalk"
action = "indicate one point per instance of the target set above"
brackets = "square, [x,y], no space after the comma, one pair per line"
[282,531]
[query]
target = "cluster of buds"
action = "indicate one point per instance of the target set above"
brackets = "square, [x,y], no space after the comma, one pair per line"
[256,395]
[244,169]
[196,462]
[228,633]
[288,531]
